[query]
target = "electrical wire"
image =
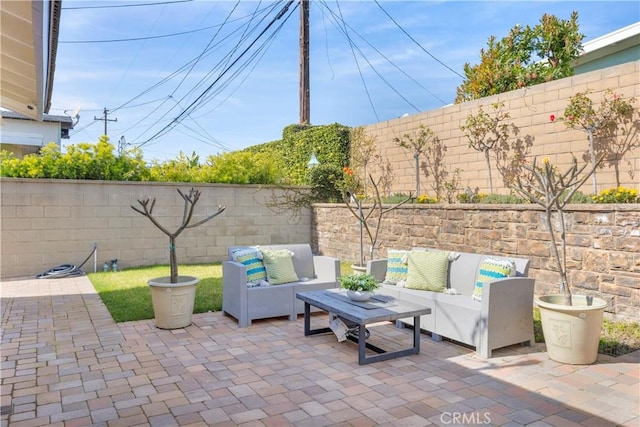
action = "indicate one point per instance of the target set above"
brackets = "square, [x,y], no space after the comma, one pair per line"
[393,64]
[123,5]
[188,109]
[351,45]
[416,42]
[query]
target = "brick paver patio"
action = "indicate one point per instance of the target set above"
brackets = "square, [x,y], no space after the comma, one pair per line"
[65,362]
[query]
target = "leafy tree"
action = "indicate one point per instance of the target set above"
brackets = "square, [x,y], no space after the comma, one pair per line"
[527,56]
[602,124]
[487,133]
[417,142]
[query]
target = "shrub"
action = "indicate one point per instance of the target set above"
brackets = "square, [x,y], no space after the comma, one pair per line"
[424,199]
[617,195]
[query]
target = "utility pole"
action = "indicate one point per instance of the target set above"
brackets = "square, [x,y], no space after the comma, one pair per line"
[305,102]
[105,119]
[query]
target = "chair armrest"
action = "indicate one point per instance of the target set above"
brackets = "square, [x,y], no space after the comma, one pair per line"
[326,268]
[508,303]
[234,287]
[378,269]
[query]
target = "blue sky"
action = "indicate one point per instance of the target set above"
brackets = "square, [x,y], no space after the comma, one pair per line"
[182,93]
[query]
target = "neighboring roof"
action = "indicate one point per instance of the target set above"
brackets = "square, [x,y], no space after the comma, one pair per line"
[611,49]
[65,120]
[29,40]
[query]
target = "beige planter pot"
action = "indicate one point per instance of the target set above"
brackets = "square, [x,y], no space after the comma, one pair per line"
[173,302]
[572,333]
[358,269]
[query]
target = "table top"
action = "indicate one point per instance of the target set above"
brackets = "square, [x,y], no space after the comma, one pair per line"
[379,308]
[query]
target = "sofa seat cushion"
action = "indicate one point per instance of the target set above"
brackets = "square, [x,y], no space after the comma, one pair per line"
[428,270]
[492,268]
[279,266]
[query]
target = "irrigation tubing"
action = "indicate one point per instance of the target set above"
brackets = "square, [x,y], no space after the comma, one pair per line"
[66,270]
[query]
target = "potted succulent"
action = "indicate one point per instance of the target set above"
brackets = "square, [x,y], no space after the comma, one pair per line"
[174,296]
[359,286]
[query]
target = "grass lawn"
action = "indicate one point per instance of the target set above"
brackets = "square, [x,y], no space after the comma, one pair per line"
[128,297]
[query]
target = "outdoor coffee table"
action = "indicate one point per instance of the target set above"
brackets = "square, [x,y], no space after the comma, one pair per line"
[378,309]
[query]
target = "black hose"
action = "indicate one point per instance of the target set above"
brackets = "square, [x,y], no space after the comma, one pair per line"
[66,270]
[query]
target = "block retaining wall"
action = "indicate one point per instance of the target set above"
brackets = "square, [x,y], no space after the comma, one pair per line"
[603,242]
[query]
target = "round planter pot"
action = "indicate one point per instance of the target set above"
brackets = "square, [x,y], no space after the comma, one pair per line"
[571,332]
[359,269]
[173,302]
[359,295]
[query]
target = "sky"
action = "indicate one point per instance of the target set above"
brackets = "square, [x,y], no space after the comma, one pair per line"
[208,77]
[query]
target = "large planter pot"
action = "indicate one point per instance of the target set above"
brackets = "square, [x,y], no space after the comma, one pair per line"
[173,302]
[359,269]
[571,333]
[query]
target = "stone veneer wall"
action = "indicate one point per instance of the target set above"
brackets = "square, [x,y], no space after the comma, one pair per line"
[530,109]
[46,223]
[603,242]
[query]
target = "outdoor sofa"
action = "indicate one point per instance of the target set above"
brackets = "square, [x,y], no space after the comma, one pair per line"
[502,317]
[248,295]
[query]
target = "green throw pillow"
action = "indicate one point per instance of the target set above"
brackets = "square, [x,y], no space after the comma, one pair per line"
[428,270]
[396,266]
[492,268]
[279,266]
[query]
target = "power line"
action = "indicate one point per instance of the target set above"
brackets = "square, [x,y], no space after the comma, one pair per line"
[123,5]
[364,83]
[387,59]
[416,42]
[188,109]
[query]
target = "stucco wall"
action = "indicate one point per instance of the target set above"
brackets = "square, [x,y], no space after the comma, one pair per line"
[530,109]
[46,223]
[603,242]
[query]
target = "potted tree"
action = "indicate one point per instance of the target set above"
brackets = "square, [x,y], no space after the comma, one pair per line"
[368,211]
[174,296]
[571,323]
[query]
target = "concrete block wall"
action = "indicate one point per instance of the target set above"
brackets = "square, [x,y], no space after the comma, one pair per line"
[603,242]
[46,223]
[530,109]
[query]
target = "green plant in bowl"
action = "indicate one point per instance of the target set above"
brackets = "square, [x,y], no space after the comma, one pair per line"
[358,282]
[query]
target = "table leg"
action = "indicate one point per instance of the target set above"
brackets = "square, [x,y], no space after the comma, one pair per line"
[307,323]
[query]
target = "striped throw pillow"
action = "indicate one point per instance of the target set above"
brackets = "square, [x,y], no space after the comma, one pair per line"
[492,268]
[397,267]
[252,259]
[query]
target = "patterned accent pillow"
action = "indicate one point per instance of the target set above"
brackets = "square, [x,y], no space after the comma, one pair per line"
[428,270]
[492,268]
[396,266]
[252,259]
[279,266]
